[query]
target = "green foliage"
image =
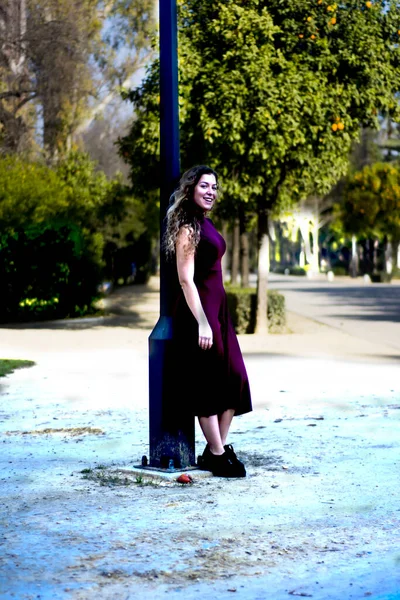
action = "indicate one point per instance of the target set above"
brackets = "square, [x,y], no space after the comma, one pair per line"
[371,204]
[85,188]
[339,271]
[8,365]
[50,259]
[396,273]
[29,193]
[273,95]
[242,307]
[141,147]
[381,277]
[289,88]
[48,271]
[55,225]
[290,271]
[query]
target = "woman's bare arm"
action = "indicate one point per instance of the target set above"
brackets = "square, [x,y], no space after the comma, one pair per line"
[185,266]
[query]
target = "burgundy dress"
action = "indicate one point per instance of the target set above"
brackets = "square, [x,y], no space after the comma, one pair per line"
[209,381]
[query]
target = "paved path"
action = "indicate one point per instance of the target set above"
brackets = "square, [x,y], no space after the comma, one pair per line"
[317,516]
[367,311]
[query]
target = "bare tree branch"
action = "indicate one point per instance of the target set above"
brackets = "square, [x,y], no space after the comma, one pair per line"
[16,94]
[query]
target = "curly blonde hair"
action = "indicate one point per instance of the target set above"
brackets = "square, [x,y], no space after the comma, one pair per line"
[183,211]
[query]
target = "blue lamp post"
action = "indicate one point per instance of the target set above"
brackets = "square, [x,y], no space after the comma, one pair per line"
[171,433]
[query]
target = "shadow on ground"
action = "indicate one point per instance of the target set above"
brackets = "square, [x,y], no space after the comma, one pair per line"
[135,307]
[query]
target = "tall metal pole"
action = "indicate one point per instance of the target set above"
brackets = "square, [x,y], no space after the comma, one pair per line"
[171,433]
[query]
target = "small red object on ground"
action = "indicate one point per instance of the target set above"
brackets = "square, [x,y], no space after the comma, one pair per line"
[184,478]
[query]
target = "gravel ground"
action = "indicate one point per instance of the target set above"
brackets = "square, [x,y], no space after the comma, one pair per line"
[317,516]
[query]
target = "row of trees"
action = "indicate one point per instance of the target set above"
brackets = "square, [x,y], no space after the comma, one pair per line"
[62,231]
[61,62]
[273,95]
[64,226]
[362,211]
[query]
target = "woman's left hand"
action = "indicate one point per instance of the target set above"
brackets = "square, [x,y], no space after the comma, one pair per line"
[205,337]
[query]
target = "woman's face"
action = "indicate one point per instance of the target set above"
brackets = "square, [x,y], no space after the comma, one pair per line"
[205,192]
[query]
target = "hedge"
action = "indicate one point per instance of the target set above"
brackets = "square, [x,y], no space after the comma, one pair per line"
[293,270]
[242,303]
[48,272]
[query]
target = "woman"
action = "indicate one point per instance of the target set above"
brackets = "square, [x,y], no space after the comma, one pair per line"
[213,380]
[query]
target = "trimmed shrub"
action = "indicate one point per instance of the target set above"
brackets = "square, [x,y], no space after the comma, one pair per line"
[242,304]
[276,311]
[381,277]
[396,273]
[54,226]
[48,272]
[300,271]
[293,270]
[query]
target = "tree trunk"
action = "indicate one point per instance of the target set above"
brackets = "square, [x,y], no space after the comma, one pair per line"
[353,269]
[244,253]
[235,252]
[261,326]
[375,258]
[16,82]
[244,259]
[315,248]
[15,132]
[388,257]
[304,227]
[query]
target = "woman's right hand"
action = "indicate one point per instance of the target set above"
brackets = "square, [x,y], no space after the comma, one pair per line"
[205,336]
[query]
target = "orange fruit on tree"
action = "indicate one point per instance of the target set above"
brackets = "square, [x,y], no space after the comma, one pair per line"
[340,126]
[333,21]
[334,127]
[312,37]
[368,4]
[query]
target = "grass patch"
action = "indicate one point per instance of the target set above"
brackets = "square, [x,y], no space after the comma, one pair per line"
[8,365]
[107,476]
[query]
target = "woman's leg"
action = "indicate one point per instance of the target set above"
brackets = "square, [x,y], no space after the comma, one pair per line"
[225,420]
[211,430]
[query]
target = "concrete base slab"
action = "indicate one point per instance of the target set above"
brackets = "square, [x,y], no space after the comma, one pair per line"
[163,474]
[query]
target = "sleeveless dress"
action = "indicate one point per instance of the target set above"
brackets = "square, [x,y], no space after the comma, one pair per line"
[208,382]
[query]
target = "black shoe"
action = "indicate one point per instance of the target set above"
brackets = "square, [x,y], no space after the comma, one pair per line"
[209,462]
[204,461]
[231,453]
[223,466]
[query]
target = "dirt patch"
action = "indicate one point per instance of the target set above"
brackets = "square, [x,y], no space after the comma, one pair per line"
[121,477]
[68,431]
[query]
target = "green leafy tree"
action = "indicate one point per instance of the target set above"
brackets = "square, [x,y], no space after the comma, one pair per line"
[50,263]
[29,193]
[273,95]
[57,227]
[372,202]
[370,208]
